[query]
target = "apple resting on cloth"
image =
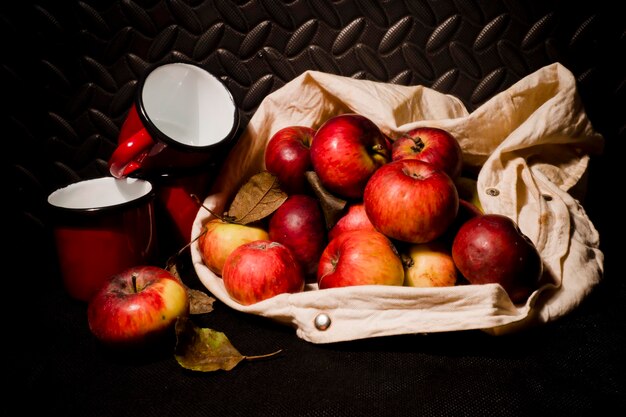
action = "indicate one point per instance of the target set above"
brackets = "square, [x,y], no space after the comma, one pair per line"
[345,152]
[222,237]
[433,145]
[137,306]
[299,224]
[410,200]
[260,270]
[360,257]
[491,248]
[429,265]
[288,156]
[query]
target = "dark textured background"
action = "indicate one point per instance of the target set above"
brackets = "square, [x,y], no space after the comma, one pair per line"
[69,71]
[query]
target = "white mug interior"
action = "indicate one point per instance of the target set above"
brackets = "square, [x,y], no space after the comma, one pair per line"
[99,193]
[188,104]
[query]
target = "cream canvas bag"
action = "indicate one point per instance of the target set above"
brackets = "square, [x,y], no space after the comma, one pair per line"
[530,145]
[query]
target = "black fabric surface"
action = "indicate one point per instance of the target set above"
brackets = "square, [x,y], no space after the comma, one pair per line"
[572,367]
[69,71]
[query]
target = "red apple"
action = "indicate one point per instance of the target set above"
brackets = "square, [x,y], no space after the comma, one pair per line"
[491,248]
[299,224]
[260,270]
[345,152]
[222,237]
[410,200]
[137,306]
[429,265]
[433,145]
[287,156]
[360,257]
[354,218]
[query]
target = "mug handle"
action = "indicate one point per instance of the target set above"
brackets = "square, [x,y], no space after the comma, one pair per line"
[130,153]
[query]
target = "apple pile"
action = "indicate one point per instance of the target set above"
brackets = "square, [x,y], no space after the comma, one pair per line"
[361,208]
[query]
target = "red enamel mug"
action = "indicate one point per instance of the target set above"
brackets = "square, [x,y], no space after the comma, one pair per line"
[101,227]
[183,117]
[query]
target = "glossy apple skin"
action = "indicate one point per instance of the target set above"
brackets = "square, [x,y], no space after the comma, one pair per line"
[299,224]
[222,237]
[345,152]
[260,270]
[433,145]
[411,201]
[355,218]
[125,315]
[360,257]
[492,249]
[288,156]
[429,265]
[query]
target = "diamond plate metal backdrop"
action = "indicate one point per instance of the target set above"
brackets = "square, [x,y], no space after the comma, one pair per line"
[70,68]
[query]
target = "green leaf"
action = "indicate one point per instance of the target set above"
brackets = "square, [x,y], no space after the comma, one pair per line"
[257,198]
[205,350]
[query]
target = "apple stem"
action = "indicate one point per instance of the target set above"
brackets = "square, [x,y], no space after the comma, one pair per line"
[172,259]
[378,148]
[407,261]
[133,278]
[419,145]
[221,217]
[412,174]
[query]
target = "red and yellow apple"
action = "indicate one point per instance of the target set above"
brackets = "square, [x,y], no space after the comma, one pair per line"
[428,265]
[345,152]
[259,270]
[491,248]
[222,237]
[288,156]
[137,306]
[299,224]
[360,257]
[411,201]
[433,145]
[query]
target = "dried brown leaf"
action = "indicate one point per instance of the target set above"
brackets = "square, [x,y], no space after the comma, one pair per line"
[257,198]
[199,302]
[332,206]
[172,267]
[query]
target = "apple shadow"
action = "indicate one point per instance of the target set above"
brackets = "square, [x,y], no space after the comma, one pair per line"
[152,350]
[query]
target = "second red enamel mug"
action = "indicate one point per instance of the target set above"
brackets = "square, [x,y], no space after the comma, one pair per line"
[183,117]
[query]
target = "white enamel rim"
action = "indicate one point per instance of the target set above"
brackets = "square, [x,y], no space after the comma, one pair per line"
[188,105]
[100,193]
